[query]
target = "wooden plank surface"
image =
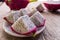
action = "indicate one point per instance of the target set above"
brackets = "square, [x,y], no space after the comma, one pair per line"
[52,31]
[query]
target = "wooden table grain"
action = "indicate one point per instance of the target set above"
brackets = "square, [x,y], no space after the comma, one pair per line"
[51,32]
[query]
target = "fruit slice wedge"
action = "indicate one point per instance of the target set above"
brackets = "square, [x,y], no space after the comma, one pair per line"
[24,26]
[12,17]
[38,19]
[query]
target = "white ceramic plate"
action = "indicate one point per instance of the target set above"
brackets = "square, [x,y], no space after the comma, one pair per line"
[7,29]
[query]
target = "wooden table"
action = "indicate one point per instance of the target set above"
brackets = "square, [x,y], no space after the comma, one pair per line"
[52,31]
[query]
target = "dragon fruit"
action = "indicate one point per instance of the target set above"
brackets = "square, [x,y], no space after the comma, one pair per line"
[24,26]
[13,16]
[17,4]
[28,12]
[38,19]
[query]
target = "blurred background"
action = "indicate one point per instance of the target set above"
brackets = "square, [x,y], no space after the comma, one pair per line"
[4,6]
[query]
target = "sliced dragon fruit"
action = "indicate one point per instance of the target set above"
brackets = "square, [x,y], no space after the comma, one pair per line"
[29,12]
[9,18]
[24,26]
[12,17]
[40,8]
[37,5]
[38,19]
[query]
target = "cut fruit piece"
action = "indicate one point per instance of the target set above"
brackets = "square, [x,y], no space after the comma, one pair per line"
[38,19]
[40,8]
[29,12]
[24,26]
[12,17]
[37,5]
[9,18]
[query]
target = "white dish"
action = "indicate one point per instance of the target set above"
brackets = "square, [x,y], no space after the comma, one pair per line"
[7,29]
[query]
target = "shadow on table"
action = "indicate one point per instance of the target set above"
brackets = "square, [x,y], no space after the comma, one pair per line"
[9,37]
[55,12]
